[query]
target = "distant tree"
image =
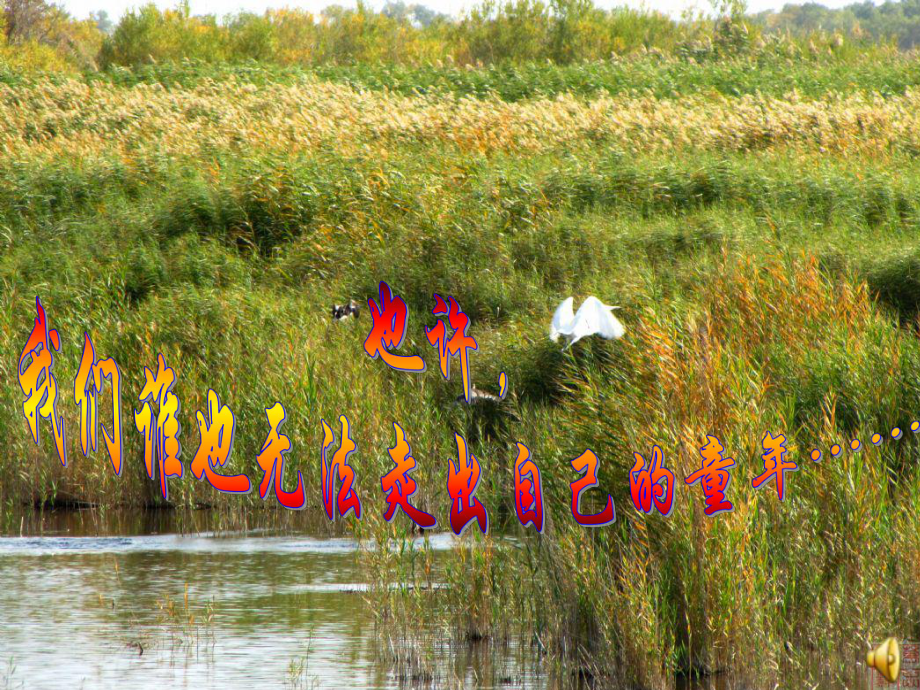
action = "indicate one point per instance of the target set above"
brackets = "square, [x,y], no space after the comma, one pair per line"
[44,34]
[251,37]
[396,10]
[26,20]
[417,15]
[567,16]
[888,21]
[734,9]
[425,16]
[333,12]
[102,21]
[502,30]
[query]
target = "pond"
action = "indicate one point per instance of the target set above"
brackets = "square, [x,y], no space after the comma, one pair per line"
[93,599]
[99,601]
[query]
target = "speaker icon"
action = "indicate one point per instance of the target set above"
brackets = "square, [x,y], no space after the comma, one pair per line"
[886,659]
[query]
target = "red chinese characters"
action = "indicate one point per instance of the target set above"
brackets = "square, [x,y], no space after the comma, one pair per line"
[87,388]
[216,431]
[587,463]
[346,499]
[910,679]
[528,490]
[457,345]
[388,332]
[161,434]
[462,480]
[652,484]
[775,463]
[399,486]
[38,383]
[713,476]
[910,654]
[271,460]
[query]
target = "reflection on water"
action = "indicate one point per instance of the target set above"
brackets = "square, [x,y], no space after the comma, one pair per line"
[99,602]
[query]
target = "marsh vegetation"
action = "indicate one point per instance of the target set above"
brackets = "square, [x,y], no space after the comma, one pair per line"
[762,243]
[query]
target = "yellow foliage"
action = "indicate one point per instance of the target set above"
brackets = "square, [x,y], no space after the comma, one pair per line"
[283,117]
[31,55]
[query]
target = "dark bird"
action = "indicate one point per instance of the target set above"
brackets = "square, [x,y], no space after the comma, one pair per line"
[478,397]
[340,312]
[486,415]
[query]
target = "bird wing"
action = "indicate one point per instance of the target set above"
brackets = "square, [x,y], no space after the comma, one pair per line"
[562,320]
[611,328]
[594,318]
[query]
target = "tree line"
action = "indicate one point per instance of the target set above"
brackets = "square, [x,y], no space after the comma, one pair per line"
[41,35]
[890,21]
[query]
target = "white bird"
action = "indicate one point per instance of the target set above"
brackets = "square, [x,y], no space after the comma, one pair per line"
[593,318]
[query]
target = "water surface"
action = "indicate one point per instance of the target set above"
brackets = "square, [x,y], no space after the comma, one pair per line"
[99,601]
[93,599]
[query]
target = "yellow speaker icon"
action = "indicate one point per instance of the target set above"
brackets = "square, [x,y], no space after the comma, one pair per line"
[886,659]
